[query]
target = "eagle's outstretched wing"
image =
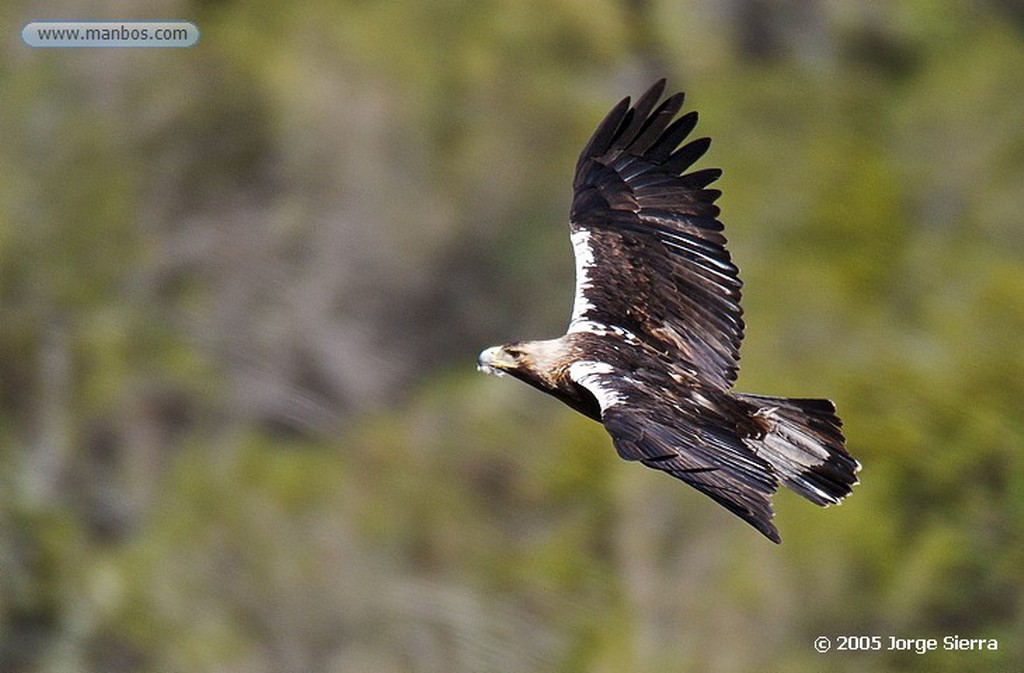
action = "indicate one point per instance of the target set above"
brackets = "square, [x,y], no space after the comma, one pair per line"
[650,255]
[700,446]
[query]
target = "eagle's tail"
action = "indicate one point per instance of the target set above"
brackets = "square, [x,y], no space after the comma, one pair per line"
[803,441]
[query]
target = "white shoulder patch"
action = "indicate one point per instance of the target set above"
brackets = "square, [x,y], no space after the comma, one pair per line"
[594,376]
[582,305]
[584,256]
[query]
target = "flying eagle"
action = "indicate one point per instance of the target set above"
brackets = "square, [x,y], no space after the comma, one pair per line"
[652,347]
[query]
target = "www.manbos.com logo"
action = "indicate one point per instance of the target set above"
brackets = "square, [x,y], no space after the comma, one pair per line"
[57,34]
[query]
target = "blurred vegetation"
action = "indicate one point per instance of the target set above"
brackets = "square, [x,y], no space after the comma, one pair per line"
[242,288]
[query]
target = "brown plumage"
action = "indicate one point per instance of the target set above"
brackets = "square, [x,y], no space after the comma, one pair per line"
[653,343]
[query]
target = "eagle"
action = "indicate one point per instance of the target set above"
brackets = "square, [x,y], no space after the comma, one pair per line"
[652,347]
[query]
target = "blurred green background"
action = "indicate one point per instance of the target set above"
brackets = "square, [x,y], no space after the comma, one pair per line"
[243,286]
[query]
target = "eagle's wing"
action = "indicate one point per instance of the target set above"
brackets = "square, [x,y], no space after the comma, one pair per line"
[650,256]
[695,445]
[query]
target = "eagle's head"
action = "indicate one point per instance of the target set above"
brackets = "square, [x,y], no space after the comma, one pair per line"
[500,360]
[543,365]
[541,360]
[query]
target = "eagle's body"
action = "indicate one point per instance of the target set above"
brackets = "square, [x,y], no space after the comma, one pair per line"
[652,347]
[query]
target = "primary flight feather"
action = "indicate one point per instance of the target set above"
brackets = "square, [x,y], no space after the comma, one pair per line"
[653,343]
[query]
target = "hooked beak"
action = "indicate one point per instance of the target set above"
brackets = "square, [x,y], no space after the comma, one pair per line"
[493,360]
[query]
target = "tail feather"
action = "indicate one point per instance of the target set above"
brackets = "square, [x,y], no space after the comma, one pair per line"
[803,441]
